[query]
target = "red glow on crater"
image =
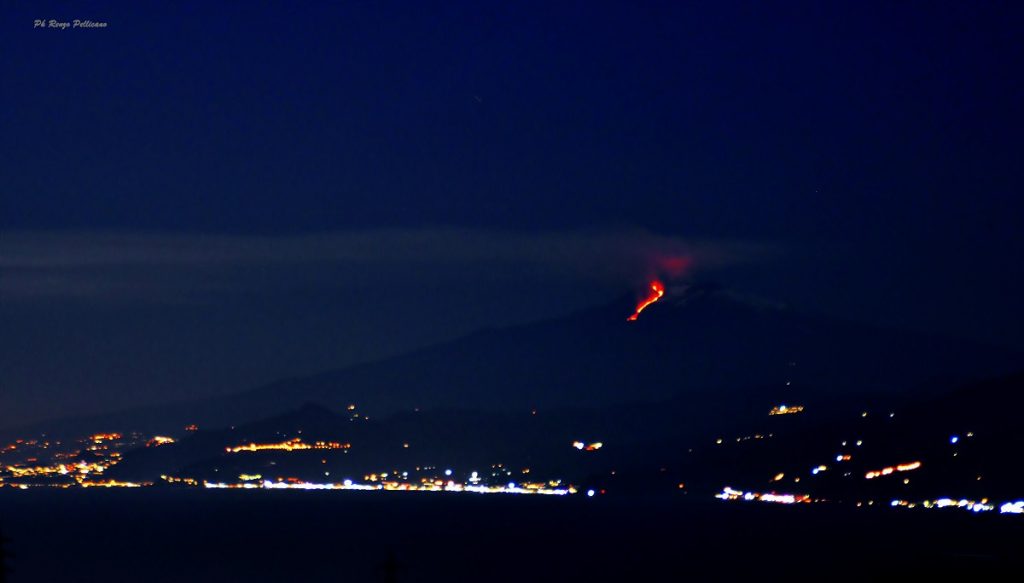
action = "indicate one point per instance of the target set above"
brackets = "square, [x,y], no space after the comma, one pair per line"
[673,266]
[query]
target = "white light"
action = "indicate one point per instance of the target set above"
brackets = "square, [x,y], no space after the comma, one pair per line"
[447,472]
[780,498]
[590,493]
[954,439]
[348,483]
[1012,507]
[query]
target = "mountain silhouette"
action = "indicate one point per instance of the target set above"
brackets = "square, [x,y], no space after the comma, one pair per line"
[703,342]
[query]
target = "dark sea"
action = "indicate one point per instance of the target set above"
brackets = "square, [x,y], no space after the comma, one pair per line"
[158,535]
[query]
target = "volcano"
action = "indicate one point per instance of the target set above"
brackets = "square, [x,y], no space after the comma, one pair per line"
[698,343]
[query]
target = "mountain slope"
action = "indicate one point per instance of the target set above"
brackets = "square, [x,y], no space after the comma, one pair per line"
[702,342]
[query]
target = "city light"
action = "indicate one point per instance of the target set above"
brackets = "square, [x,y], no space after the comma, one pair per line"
[159,440]
[1012,507]
[891,469]
[290,445]
[786,410]
[728,493]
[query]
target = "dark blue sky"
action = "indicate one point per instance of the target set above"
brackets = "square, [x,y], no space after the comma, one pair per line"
[871,152]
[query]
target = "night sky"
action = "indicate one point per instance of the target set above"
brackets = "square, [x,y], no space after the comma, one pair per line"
[205,196]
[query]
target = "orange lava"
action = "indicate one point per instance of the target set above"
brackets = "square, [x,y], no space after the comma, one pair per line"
[657,290]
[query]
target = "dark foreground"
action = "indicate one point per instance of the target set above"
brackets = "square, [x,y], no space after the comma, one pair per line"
[201,536]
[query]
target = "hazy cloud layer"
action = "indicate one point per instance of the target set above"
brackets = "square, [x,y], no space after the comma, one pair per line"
[182,267]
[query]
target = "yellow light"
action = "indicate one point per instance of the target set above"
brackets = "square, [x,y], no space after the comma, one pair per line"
[786,410]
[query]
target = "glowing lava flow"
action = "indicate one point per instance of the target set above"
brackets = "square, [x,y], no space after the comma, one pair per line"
[657,290]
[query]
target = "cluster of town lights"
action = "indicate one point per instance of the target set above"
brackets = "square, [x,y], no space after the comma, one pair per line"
[728,493]
[786,410]
[540,488]
[290,445]
[65,471]
[891,469]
